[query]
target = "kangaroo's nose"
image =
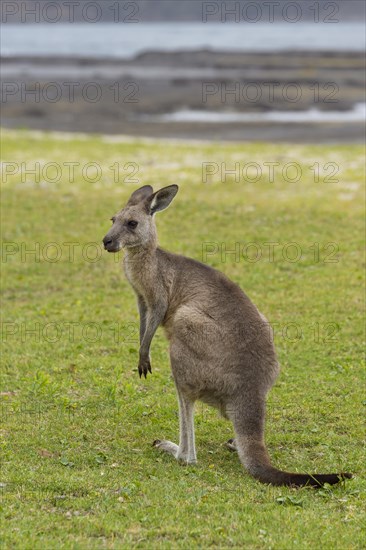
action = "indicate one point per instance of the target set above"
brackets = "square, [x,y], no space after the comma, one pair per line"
[106,241]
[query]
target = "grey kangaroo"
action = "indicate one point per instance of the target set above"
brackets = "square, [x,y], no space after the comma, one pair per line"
[220,349]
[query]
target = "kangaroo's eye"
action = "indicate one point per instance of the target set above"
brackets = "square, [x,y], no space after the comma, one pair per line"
[113,219]
[132,224]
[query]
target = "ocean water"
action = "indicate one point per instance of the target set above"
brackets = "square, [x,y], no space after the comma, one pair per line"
[357,114]
[127,40]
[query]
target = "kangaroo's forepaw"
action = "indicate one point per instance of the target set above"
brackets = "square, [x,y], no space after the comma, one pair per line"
[144,367]
[231,445]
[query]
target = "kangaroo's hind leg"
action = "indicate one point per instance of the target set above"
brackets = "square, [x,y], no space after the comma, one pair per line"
[186,450]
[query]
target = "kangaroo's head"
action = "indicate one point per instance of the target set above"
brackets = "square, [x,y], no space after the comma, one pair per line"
[134,225]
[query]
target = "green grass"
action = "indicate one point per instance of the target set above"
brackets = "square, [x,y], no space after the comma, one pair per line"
[78,470]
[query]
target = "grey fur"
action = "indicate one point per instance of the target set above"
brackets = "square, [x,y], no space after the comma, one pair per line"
[221,350]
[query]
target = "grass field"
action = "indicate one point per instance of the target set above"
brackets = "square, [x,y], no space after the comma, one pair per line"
[78,469]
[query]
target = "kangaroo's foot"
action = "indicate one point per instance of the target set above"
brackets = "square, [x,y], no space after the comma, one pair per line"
[231,445]
[174,450]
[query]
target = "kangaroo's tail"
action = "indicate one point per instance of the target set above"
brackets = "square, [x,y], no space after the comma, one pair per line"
[253,454]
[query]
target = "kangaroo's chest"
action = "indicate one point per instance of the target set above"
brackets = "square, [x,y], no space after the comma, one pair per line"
[139,278]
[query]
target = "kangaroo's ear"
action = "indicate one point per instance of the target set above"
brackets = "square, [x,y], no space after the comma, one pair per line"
[162,198]
[140,194]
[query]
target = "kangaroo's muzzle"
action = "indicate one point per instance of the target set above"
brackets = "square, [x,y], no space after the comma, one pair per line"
[111,245]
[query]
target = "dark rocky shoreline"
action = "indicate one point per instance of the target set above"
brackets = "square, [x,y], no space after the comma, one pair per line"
[113,96]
